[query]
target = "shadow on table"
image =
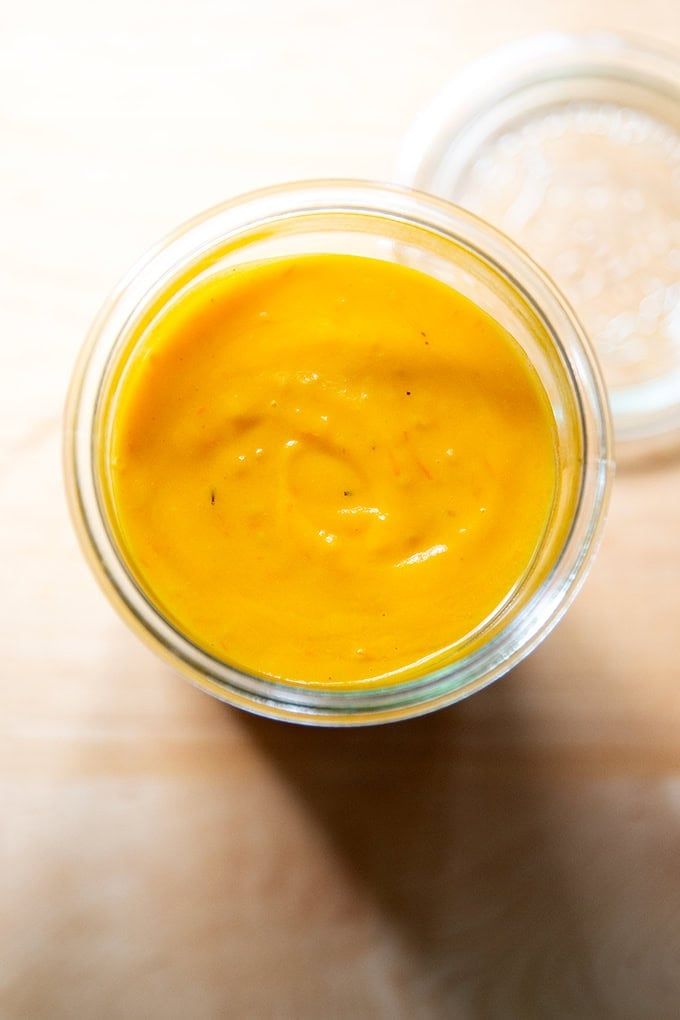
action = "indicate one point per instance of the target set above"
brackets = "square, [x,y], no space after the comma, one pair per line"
[447,822]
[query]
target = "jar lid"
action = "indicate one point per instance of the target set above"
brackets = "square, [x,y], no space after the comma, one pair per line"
[571,145]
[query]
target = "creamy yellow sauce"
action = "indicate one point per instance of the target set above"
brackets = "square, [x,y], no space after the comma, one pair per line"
[327,469]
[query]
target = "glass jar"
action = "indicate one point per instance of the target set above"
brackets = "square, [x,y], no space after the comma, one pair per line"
[450,244]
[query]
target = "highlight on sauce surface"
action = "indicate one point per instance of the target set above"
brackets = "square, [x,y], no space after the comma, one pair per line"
[329,469]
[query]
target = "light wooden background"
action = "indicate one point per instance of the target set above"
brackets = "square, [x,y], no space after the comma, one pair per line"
[167,858]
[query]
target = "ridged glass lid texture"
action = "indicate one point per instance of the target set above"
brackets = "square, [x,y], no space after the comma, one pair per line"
[571,145]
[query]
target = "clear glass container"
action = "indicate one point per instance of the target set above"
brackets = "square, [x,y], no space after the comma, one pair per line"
[396,225]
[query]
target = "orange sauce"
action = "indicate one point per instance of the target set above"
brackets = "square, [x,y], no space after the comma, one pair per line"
[329,469]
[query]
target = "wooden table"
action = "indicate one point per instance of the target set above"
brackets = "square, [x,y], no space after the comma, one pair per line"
[165,857]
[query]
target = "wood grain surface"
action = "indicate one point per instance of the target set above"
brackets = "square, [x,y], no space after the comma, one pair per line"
[165,857]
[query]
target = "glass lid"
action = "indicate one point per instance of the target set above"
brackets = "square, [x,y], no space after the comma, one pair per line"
[571,145]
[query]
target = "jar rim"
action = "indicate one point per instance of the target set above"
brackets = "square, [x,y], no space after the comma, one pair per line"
[374,704]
